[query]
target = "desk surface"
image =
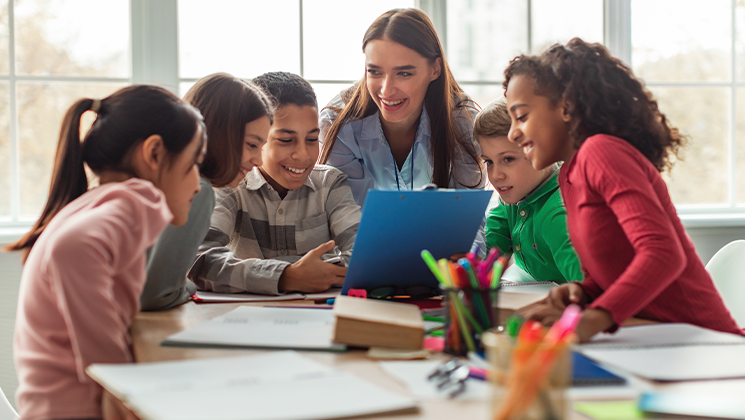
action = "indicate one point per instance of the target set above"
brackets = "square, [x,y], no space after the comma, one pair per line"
[151,328]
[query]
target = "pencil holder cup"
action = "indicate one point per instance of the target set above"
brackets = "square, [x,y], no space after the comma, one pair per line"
[469,312]
[520,394]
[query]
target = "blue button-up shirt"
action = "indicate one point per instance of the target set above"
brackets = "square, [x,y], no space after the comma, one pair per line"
[363,153]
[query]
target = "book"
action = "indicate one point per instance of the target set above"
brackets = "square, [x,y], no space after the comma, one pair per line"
[276,385]
[377,323]
[670,352]
[251,326]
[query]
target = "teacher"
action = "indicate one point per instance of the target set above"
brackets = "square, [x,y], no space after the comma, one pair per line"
[407,123]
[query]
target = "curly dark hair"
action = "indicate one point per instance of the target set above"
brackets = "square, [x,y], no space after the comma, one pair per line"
[602,96]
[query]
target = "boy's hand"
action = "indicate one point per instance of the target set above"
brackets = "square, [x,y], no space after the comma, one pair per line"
[311,274]
[113,409]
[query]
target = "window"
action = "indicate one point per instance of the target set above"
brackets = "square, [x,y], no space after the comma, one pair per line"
[53,52]
[249,37]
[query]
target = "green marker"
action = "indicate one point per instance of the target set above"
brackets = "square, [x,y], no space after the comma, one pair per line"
[512,325]
[432,264]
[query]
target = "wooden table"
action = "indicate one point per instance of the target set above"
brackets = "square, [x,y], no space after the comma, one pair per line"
[151,328]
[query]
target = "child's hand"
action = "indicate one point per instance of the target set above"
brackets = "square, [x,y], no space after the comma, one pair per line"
[113,409]
[566,294]
[311,274]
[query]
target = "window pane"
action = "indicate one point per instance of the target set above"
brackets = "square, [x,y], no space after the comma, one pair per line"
[41,107]
[4,34]
[72,37]
[483,95]
[325,92]
[703,115]
[681,40]
[559,21]
[5,197]
[243,37]
[484,35]
[740,39]
[332,36]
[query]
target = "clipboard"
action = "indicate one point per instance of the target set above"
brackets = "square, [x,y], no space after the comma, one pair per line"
[397,225]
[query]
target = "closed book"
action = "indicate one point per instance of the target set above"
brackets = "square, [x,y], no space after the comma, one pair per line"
[377,323]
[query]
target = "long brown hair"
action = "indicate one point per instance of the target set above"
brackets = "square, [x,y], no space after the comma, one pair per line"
[227,104]
[413,29]
[602,96]
[124,120]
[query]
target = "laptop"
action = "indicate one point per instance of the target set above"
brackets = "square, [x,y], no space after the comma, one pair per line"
[397,225]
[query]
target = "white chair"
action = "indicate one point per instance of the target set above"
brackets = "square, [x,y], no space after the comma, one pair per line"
[727,269]
[6,410]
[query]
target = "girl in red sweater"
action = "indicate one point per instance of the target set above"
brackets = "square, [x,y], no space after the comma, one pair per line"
[576,103]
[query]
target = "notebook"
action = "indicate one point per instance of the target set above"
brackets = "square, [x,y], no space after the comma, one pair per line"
[397,225]
[670,352]
[272,386]
[251,326]
[585,372]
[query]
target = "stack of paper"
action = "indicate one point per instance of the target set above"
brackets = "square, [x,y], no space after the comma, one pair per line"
[278,385]
[250,326]
[671,352]
[212,297]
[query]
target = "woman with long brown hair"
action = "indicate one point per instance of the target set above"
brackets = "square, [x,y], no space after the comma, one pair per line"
[407,123]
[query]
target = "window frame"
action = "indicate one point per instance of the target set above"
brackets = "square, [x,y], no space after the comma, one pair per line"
[154,60]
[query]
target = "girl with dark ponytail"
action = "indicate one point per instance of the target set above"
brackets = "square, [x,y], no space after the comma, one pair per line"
[85,256]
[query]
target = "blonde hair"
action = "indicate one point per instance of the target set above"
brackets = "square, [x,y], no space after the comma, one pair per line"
[493,120]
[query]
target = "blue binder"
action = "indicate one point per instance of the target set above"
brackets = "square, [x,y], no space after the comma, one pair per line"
[397,225]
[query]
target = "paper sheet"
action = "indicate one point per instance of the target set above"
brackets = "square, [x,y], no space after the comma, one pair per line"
[250,326]
[414,376]
[245,388]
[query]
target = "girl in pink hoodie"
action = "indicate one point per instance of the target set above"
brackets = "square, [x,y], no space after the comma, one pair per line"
[85,257]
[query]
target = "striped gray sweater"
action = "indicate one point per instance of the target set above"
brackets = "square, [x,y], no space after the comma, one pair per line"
[254,234]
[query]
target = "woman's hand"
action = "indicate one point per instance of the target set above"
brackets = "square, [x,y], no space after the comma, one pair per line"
[311,274]
[113,409]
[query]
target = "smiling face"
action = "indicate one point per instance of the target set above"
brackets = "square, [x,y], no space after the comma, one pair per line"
[179,179]
[292,148]
[254,138]
[397,78]
[539,127]
[510,172]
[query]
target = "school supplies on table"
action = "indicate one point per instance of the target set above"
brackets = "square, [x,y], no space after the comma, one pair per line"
[397,225]
[664,352]
[532,372]
[278,385]
[377,323]
[212,297]
[470,289]
[249,326]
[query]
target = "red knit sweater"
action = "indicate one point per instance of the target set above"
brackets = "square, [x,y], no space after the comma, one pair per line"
[636,255]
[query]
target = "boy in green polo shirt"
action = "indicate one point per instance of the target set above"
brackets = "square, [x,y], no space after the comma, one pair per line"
[531,219]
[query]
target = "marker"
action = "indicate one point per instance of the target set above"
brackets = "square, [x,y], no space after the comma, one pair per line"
[432,264]
[472,255]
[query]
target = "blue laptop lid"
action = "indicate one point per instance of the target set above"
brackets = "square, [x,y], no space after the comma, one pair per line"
[397,225]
